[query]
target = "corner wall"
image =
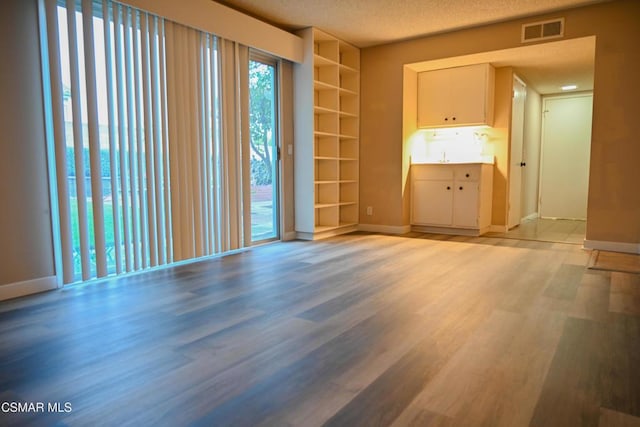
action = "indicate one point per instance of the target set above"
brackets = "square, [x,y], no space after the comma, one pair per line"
[26,248]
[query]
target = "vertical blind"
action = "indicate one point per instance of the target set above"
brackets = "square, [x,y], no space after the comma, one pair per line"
[148,126]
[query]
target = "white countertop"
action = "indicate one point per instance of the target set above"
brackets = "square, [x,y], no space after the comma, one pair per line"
[482,160]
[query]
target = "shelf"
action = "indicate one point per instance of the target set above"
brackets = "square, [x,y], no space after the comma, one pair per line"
[318,133]
[324,110]
[348,69]
[319,85]
[346,224]
[326,172]
[344,91]
[321,61]
[345,114]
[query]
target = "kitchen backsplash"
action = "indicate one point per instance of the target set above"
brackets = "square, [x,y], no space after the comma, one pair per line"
[467,144]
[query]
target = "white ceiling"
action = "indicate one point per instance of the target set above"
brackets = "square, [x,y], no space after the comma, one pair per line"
[372,22]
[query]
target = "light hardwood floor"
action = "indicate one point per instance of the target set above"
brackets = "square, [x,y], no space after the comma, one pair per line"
[364,329]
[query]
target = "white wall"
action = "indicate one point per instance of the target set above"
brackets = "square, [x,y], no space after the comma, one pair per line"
[531,152]
[26,248]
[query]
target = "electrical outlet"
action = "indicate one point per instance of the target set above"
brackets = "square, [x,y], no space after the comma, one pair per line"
[369,210]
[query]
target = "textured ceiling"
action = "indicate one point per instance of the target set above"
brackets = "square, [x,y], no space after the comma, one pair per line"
[370,22]
[365,23]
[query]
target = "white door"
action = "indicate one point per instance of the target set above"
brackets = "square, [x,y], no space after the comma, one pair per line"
[566,145]
[516,162]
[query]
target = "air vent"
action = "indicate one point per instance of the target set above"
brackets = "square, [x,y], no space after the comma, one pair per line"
[543,30]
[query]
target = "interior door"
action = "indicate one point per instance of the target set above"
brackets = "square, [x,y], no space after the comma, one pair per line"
[516,161]
[566,146]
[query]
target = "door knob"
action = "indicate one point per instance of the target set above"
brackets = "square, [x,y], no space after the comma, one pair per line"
[522,164]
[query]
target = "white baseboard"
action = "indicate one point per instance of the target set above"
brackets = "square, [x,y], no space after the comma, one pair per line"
[631,248]
[387,229]
[19,289]
[530,217]
[498,228]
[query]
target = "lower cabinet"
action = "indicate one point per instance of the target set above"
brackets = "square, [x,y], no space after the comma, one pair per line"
[451,198]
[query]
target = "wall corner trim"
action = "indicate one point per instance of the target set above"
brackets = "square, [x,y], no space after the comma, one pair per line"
[631,248]
[27,287]
[289,235]
[387,229]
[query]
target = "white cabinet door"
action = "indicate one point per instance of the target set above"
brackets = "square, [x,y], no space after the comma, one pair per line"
[468,95]
[432,202]
[434,98]
[465,204]
[459,96]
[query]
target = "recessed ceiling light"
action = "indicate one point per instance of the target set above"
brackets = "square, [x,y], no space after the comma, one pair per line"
[569,87]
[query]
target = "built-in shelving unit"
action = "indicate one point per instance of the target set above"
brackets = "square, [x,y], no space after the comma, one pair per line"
[327,88]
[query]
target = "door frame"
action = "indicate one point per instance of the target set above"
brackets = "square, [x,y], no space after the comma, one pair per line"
[277,185]
[516,79]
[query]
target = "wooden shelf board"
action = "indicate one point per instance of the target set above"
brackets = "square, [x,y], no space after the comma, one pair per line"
[318,85]
[345,114]
[318,133]
[324,110]
[348,69]
[325,158]
[325,182]
[321,61]
[344,91]
[325,205]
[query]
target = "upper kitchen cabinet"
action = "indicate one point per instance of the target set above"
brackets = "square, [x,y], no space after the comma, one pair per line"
[460,96]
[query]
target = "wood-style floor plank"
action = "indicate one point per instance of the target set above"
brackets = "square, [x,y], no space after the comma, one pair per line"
[361,329]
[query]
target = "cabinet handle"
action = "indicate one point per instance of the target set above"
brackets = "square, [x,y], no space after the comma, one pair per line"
[453,118]
[461,187]
[467,175]
[446,119]
[448,187]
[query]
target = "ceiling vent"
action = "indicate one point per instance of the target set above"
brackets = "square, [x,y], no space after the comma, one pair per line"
[542,30]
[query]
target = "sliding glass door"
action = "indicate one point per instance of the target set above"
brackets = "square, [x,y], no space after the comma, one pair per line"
[264,153]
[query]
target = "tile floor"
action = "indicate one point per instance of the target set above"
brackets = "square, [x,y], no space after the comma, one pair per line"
[547,230]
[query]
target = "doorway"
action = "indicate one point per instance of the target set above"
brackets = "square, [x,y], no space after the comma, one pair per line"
[565,156]
[264,148]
